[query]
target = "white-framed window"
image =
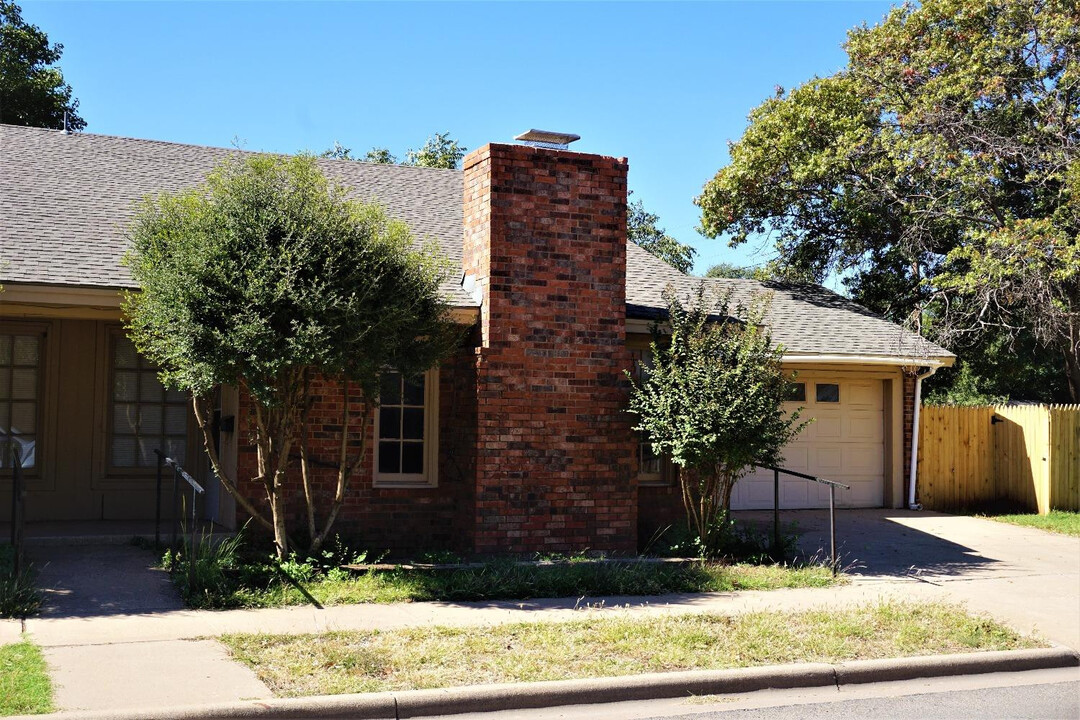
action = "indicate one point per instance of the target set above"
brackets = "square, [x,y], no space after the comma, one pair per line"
[20,393]
[143,415]
[827,392]
[407,431]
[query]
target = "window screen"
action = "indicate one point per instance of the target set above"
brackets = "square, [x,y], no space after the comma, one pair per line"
[20,357]
[145,416]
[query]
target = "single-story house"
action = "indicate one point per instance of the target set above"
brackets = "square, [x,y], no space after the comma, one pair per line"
[519,442]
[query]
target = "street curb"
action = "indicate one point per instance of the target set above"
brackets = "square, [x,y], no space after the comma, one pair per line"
[655,686]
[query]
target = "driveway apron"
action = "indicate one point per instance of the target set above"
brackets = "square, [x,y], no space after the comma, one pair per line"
[1025,577]
[88,583]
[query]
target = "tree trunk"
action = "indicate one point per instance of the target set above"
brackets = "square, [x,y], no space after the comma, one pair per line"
[1072,373]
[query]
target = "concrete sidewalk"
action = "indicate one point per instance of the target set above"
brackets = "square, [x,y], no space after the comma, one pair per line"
[116,635]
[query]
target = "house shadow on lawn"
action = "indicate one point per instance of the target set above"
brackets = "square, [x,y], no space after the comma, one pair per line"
[875,543]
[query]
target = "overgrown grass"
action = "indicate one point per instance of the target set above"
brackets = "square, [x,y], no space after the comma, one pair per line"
[18,595]
[347,662]
[262,587]
[1058,521]
[25,688]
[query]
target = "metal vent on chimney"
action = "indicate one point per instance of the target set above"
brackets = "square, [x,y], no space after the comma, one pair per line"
[547,139]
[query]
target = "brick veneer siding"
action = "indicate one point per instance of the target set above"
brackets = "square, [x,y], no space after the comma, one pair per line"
[402,520]
[545,242]
[909,417]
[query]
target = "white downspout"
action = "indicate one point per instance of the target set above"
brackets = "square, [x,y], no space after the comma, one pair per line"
[912,505]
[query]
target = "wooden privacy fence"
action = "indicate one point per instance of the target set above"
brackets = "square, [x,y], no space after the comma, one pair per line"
[1026,454]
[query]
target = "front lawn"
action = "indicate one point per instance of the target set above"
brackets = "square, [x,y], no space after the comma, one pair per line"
[260,586]
[25,688]
[351,662]
[1058,521]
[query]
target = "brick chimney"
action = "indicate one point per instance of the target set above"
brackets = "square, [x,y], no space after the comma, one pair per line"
[545,246]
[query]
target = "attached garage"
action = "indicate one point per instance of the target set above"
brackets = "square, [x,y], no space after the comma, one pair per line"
[845,441]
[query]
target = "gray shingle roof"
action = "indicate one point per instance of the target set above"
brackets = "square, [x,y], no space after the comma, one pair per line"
[66,199]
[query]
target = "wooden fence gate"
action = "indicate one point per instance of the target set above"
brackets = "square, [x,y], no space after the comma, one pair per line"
[1026,454]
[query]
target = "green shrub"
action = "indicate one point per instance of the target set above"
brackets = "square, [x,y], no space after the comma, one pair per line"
[18,595]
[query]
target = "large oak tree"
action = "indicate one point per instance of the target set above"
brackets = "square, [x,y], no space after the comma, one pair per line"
[938,172]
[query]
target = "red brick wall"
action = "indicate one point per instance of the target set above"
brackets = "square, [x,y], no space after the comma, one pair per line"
[403,520]
[545,239]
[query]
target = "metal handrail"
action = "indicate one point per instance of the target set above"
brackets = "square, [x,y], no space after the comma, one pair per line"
[196,489]
[832,484]
[18,512]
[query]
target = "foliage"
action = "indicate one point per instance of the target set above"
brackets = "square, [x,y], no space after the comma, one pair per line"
[611,644]
[712,402]
[25,688]
[937,172]
[728,270]
[19,596]
[440,151]
[730,541]
[1063,522]
[641,228]
[377,155]
[269,278]
[32,89]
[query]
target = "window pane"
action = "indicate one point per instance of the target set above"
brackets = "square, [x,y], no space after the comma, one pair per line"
[390,389]
[123,451]
[5,383]
[412,458]
[5,417]
[5,349]
[796,392]
[414,392]
[147,446]
[174,447]
[176,419]
[389,460]
[389,422]
[24,384]
[126,357]
[827,392]
[124,388]
[25,350]
[412,426]
[5,451]
[27,449]
[125,419]
[23,418]
[175,396]
[150,389]
[149,420]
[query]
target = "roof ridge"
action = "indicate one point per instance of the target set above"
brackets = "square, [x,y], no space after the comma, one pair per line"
[173,143]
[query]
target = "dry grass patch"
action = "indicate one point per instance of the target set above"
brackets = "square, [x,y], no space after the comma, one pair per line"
[605,645]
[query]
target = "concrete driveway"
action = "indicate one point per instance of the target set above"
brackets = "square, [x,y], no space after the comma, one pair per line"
[1025,577]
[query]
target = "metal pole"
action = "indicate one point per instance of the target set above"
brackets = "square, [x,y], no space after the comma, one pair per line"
[176,516]
[157,506]
[191,555]
[832,527]
[776,515]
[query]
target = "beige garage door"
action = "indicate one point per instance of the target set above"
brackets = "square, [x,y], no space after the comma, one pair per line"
[845,442]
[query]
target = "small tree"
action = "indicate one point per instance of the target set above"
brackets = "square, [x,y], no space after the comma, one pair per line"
[266,277]
[712,402]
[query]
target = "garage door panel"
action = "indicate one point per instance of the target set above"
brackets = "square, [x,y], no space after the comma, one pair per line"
[862,395]
[863,426]
[844,442]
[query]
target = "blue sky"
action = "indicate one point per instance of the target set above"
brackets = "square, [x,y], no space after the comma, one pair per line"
[663,84]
